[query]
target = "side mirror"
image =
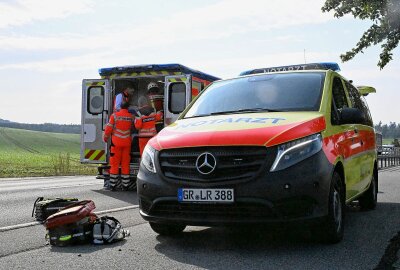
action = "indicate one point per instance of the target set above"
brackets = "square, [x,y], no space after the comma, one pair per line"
[351,116]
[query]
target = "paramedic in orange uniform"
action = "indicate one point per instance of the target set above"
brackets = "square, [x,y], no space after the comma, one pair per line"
[119,128]
[145,123]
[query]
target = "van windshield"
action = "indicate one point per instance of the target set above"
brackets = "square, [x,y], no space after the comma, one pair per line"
[267,92]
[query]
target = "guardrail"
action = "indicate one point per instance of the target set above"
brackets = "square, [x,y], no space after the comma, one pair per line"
[389,157]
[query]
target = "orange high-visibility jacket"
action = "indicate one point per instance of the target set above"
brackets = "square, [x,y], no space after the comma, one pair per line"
[120,127]
[146,124]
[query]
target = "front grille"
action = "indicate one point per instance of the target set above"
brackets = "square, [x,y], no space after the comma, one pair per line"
[204,211]
[233,163]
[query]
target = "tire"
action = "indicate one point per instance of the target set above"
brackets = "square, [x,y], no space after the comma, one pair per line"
[332,230]
[167,229]
[369,199]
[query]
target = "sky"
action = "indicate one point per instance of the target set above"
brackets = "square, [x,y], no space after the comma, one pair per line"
[47,47]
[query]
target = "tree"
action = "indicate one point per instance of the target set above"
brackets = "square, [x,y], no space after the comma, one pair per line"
[385,16]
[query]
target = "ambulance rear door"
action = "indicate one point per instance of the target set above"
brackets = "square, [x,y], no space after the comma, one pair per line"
[96,105]
[177,95]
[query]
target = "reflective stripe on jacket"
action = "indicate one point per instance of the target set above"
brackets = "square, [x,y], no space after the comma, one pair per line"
[119,127]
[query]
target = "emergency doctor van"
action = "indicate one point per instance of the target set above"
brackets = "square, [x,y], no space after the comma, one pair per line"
[276,145]
[178,85]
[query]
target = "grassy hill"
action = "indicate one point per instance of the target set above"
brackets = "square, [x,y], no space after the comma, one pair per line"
[34,153]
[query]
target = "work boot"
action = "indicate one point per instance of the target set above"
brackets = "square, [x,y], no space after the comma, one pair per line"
[106,182]
[132,183]
[125,182]
[113,181]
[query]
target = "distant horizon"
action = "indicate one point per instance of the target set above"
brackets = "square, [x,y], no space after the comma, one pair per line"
[375,123]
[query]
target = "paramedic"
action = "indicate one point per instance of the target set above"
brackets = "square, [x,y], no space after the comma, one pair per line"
[146,122]
[124,96]
[119,128]
[156,101]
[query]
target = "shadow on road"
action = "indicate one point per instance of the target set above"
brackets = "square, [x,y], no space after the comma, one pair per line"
[366,235]
[87,248]
[126,196]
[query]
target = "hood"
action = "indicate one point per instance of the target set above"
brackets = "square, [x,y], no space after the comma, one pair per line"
[261,129]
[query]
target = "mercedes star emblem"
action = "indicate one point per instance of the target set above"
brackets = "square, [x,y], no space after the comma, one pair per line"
[206,163]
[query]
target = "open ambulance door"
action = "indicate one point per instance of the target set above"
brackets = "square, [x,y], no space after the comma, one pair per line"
[95,109]
[177,95]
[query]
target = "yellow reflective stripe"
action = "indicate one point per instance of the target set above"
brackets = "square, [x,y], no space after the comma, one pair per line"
[95,154]
[95,83]
[65,237]
[177,79]
[135,74]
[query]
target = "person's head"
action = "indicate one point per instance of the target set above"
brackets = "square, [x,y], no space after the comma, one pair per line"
[152,88]
[143,102]
[125,105]
[128,91]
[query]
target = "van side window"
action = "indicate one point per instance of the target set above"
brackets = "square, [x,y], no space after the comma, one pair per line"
[177,97]
[339,100]
[359,102]
[95,100]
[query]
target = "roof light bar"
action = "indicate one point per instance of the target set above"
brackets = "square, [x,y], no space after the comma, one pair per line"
[311,66]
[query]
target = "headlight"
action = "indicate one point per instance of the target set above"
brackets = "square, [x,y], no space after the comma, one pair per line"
[295,151]
[148,158]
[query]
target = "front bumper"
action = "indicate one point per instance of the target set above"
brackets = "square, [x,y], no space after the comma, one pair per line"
[297,194]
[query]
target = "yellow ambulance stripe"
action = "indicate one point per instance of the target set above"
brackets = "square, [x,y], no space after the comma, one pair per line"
[95,83]
[95,154]
[177,79]
[135,74]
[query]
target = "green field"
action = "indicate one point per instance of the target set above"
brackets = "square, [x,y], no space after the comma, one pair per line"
[387,141]
[33,153]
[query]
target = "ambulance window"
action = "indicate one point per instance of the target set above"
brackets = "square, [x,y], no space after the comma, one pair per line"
[177,97]
[339,100]
[95,100]
[359,102]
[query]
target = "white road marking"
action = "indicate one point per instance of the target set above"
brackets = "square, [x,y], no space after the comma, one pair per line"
[35,223]
[19,226]
[116,209]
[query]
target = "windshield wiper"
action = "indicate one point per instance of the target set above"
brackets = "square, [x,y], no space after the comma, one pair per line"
[252,110]
[246,111]
[197,115]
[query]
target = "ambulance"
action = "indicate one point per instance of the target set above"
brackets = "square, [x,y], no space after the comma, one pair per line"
[289,144]
[178,85]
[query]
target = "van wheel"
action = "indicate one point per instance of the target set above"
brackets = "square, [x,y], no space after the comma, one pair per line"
[167,229]
[369,199]
[332,229]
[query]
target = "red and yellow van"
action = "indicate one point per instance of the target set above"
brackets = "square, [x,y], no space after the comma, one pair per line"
[282,144]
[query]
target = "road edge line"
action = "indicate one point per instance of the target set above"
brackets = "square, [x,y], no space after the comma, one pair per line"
[35,223]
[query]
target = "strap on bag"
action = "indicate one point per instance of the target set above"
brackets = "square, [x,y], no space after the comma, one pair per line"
[103,222]
[34,204]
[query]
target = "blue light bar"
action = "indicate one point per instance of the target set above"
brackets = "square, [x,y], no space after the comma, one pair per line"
[311,66]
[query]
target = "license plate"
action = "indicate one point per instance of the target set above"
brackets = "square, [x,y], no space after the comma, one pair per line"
[205,195]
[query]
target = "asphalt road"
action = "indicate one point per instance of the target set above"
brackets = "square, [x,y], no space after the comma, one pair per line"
[367,234]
